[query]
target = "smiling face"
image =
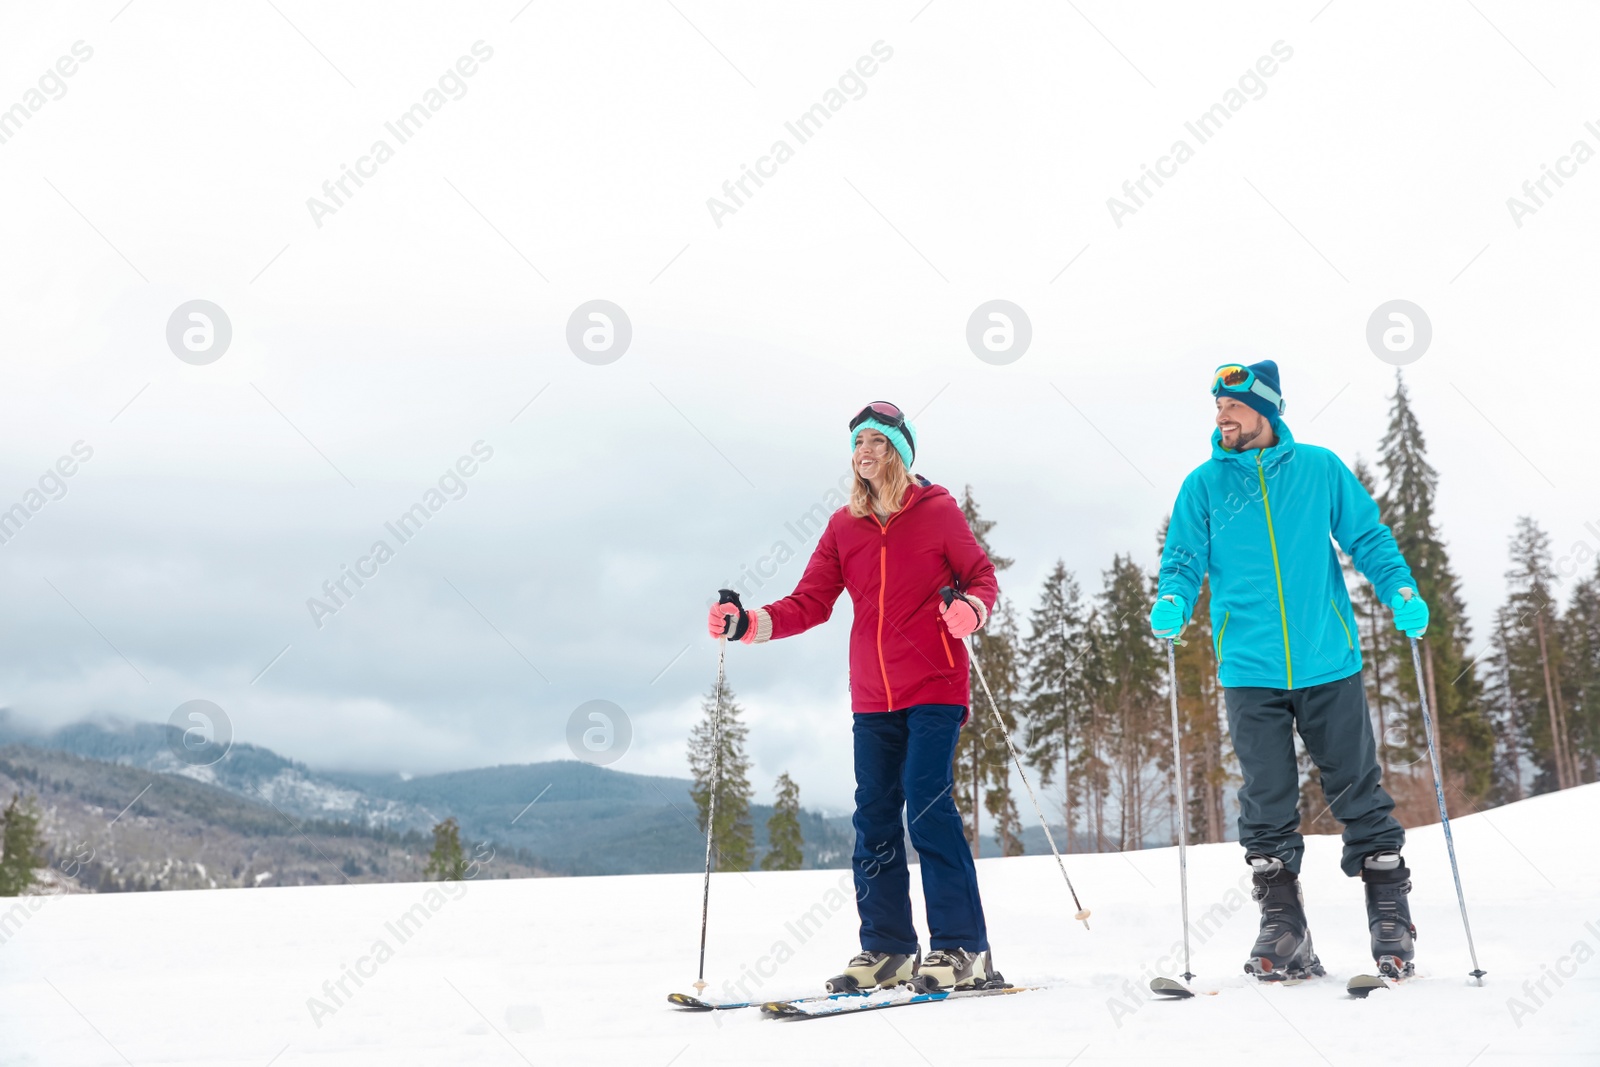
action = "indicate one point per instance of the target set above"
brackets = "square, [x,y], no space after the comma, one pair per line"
[1242,426]
[872,449]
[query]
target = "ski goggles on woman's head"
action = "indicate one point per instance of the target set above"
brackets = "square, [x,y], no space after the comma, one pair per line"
[880,411]
[1237,378]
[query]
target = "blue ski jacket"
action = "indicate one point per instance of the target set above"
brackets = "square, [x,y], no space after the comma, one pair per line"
[1259,522]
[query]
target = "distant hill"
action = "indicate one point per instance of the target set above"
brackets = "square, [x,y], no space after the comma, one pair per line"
[247,770]
[582,819]
[115,827]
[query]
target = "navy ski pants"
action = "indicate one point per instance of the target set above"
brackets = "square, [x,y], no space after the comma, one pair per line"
[1332,720]
[903,764]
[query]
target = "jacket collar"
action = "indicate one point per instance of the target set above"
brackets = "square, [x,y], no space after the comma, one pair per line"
[1282,450]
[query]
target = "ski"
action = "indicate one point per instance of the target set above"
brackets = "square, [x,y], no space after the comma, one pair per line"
[684,1000]
[1166,987]
[693,1003]
[818,1007]
[1359,987]
[1363,984]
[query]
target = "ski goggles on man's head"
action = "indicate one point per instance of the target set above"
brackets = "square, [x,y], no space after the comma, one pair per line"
[1237,378]
[880,411]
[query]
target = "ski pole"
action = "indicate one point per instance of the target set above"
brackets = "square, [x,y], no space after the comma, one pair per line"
[1438,791]
[1180,792]
[724,596]
[1082,916]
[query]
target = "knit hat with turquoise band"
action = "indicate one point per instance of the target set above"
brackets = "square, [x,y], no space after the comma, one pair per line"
[1256,386]
[904,443]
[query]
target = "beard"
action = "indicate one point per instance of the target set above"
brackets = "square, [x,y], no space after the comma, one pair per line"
[1242,439]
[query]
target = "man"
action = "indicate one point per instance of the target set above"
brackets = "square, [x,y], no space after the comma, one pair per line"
[1257,517]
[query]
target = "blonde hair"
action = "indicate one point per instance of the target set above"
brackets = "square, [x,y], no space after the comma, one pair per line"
[897,480]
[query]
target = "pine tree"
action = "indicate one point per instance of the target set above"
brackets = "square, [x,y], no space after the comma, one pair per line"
[19,845]
[999,646]
[732,839]
[981,763]
[1454,692]
[786,843]
[446,862]
[1580,639]
[1509,712]
[1092,767]
[1130,670]
[1533,642]
[1057,697]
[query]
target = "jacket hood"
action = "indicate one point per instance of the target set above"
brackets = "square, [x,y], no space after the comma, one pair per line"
[921,489]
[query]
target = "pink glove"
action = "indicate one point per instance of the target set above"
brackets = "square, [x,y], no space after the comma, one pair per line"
[748,627]
[962,616]
[726,620]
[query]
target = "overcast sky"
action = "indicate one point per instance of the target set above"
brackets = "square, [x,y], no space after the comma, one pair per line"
[967,155]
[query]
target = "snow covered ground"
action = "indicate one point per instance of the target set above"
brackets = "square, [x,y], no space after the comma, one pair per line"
[576,970]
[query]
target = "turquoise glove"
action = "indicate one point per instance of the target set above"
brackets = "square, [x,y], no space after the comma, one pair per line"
[1410,612]
[1166,616]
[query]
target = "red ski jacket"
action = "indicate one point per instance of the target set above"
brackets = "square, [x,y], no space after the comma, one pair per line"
[901,654]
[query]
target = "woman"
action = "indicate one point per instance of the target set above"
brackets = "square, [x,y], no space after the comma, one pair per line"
[894,546]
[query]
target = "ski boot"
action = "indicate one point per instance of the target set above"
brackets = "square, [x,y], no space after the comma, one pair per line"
[957,968]
[1282,951]
[1388,881]
[874,969]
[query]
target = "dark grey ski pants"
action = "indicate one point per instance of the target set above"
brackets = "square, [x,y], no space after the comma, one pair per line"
[1333,722]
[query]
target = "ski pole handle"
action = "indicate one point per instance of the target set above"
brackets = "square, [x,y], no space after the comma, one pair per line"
[950,595]
[1406,592]
[1174,639]
[729,622]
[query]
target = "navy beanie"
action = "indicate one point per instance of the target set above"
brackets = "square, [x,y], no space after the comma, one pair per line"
[1267,372]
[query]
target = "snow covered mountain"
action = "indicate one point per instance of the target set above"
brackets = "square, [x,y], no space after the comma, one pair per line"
[575,970]
[247,770]
[110,827]
[574,817]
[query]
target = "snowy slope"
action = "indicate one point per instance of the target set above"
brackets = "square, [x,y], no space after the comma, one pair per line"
[575,970]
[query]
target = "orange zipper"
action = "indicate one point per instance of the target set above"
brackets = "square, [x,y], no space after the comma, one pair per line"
[883,583]
[946,643]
